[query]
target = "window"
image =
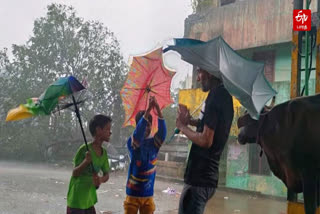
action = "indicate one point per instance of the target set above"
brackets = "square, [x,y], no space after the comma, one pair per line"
[225,2]
[258,165]
[267,57]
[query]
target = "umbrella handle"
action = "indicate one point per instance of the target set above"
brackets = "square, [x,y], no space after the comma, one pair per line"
[176,130]
[81,126]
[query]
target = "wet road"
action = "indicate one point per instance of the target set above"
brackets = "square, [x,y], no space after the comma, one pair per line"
[38,189]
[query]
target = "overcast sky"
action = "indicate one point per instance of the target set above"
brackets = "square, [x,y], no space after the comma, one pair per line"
[139,25]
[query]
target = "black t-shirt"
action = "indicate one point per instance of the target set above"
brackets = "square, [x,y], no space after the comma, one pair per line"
[203,163]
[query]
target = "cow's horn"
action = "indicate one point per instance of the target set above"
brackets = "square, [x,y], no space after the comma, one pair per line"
[273,101]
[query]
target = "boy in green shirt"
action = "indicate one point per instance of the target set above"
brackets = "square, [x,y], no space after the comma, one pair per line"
[82,194]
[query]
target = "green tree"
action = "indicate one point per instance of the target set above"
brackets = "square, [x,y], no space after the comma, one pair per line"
[199,5]
[64,44]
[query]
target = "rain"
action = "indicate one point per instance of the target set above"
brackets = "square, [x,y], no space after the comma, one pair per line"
[65,62]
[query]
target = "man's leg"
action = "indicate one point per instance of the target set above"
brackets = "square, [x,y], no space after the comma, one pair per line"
[193,199]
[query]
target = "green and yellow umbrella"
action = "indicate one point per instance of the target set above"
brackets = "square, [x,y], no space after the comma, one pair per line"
[48,101]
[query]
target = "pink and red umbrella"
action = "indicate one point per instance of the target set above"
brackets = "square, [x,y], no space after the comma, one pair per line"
[147,77]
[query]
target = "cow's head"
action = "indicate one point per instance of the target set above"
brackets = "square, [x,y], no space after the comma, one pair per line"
[248,127]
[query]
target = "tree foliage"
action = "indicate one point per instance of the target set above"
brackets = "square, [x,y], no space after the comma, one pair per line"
[199,5]
[62,44]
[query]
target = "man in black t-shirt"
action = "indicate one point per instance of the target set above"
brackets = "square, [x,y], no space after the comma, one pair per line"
[208,141]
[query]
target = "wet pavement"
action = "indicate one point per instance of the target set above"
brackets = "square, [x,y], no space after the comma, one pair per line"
[39,189]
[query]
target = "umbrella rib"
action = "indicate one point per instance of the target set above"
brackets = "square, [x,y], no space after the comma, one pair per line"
[136,88]
[160,83]
[152,76]
[81,93]
[140,65]
[158,94]
[146,101]
[149,81]
[146,70]
[136,105]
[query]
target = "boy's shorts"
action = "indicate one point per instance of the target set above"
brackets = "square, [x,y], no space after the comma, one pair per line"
[145,205]
[90,210]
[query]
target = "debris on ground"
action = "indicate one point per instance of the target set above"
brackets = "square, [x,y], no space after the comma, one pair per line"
[169,191]
[101,192]
[105,212]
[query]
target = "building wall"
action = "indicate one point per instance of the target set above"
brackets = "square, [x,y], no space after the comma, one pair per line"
[282,66]
[239,178]
[244,24]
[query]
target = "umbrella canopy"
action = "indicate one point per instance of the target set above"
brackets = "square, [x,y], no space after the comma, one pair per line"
[147,77]
[244,79]
[48,101]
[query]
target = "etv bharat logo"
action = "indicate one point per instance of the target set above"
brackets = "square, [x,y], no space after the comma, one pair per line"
[302,20]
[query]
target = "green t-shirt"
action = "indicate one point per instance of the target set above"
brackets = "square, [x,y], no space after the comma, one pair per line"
[82,192]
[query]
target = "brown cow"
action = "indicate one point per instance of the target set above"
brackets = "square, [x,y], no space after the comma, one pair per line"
[289,134]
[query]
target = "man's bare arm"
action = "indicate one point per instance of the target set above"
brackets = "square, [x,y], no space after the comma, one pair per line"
[203,139]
